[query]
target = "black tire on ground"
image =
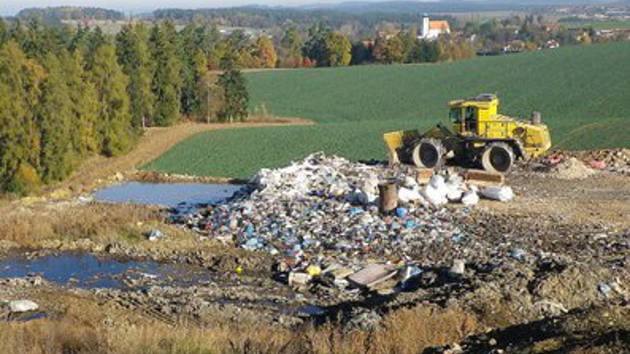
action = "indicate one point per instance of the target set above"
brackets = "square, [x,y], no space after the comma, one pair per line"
[497,157]
[427,153]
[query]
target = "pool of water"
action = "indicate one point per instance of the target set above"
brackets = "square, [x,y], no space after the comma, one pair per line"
[88,271]
[167,194]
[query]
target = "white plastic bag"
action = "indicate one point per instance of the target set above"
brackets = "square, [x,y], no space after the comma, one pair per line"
[502,194]
[16,306]
[470,198]
[407,195]
[454,192]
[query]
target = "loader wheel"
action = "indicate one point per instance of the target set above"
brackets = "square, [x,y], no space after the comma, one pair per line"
[497,157]
[427,153]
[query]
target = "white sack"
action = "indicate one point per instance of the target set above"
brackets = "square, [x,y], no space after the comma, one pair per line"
[470,198]
[407,195]
[502,194]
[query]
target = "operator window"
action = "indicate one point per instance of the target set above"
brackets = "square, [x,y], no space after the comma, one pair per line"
[471,118]
[456,115]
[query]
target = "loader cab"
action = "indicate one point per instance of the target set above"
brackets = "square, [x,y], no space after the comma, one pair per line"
[471,116]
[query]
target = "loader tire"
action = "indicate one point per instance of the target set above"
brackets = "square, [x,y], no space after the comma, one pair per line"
[497,157]
[427,153]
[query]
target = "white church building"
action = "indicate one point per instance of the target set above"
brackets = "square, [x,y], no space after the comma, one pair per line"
[430,30]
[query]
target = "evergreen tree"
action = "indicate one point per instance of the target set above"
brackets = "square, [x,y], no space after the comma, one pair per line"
[19,143]
[84,103]
[235,96]
[93,41]
[187,49]
[113,124]
[315,46]
[429,51]
[166,84]
[134,57]
[33,40]
[4,32]
[209,93]
[79,40]
[54,118]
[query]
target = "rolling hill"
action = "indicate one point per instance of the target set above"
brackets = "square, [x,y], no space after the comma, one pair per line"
[583,93]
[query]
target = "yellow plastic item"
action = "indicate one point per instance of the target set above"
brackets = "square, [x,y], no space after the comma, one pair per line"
[313,270]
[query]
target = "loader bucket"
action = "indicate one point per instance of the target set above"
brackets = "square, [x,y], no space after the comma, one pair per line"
[395,142]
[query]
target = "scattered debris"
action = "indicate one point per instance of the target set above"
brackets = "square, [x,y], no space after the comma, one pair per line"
[372,275]
[17,306]
[298,279]
[155,235]
[458,268]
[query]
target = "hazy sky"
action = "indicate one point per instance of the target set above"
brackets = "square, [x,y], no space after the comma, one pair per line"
[10,7]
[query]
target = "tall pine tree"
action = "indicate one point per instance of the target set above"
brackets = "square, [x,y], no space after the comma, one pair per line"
[4,32]
[166,84]
[113,123]
[84,102]
[54,117]
[19,137]
[134,57]
[235,96]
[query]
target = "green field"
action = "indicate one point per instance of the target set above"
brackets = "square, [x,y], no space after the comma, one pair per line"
[599,25]
[583,93]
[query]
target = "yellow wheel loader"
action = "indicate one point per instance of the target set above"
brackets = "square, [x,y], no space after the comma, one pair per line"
[479,136]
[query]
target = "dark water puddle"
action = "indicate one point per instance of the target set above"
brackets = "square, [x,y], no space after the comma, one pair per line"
[310,311]
[26,316]
[89,271]
[167,194]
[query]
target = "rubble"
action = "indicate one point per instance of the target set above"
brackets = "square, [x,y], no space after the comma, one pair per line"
[572,168]
[582,164]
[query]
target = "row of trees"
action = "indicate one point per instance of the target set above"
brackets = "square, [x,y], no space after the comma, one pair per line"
[405,47]
[68,95]
[325,47]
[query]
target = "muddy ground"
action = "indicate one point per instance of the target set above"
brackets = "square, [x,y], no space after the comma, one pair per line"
[566,289]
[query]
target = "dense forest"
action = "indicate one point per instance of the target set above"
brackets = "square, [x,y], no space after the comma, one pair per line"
[54,15]
[68,94]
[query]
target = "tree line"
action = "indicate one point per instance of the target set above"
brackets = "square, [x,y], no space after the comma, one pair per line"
[69,94]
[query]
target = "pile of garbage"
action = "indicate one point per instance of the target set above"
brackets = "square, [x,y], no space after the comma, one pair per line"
[322,214]
[582,164]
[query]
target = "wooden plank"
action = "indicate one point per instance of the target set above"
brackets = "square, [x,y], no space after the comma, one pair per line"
[484,178]
[372,275]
